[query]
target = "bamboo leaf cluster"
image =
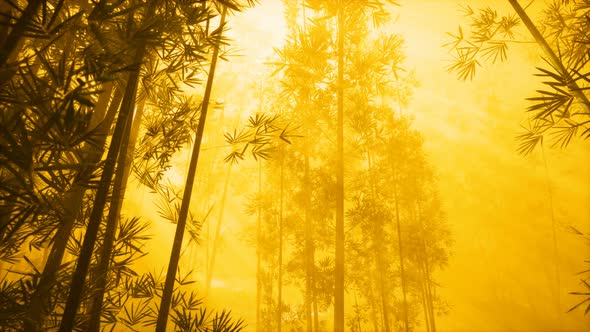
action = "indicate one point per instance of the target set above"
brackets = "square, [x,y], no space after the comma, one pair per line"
[559,110]
[80,83]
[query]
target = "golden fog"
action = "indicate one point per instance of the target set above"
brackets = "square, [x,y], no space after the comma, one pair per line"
[513,257]
[501,274]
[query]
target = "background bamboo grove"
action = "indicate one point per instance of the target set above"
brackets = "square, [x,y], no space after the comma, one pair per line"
[294,165]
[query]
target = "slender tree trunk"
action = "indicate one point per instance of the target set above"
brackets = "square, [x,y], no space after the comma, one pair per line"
[306,212]
[426,273]
[339,250]
[425,307]
[186,197]
[270,318]
[127,106]
[422,264]
[380,269]
[280,279]
[307,234]
[123,170]
[371,298]
[258,243]
[310,286]
[430,297]
[217,237]
[551,56]
[401,257]
[207,250]
[72,204]
[378,237]
[316,317]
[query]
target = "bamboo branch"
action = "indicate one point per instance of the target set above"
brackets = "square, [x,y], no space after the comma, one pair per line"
[551,56]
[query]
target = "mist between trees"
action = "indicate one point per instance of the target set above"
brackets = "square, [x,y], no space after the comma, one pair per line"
[147,183]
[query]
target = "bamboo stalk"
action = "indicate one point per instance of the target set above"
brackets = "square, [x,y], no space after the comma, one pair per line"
[258,253]
[551,56]
[186,197]
[401,257]
[339,243]
[72,204]
[79,277]
[280,263]
[123,169]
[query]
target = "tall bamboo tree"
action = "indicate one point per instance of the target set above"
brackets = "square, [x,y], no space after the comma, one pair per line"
[339,250]
[125,113]
[182,217]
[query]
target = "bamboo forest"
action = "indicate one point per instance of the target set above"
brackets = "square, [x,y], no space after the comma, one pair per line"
[295,165]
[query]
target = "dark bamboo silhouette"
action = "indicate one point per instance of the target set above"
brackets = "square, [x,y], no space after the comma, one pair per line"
[574,89]
[122,174]
[100,200]
[573,86]
[72,203]
[184,208]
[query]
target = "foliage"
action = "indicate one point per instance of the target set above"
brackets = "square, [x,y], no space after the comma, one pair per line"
[46,111]
[559,110]
[127,250]
[487,39]
[61,70]
[376,87]
[260,136]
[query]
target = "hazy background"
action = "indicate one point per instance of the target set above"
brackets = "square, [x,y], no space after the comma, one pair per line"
[499,205]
